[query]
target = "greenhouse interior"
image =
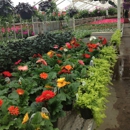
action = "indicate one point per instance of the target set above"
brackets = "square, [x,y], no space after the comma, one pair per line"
[65,65]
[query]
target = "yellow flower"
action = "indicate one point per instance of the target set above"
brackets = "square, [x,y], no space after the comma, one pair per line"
[61,82]
[37,128]
[44,115]
[25,119]
[48,86]
[50,53]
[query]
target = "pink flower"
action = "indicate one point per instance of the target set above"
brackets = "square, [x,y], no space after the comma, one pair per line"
[23,68]
[55,46]
[17,62]
[81,62]
[41,61]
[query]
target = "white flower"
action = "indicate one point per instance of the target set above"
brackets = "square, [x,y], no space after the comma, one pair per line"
[92,38]
[65,50]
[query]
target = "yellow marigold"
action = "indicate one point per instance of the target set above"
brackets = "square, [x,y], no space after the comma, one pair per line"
[25,119]
[44,115]
[50,53]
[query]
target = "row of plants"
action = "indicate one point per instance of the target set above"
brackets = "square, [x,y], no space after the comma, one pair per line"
[11,51]
[35,94]
[93,91]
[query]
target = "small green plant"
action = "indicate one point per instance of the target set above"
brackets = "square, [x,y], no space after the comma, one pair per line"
[116,38]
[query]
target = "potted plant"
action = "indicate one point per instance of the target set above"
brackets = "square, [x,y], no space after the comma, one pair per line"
[6,8]
[25,10]
[47,6]
[71,12]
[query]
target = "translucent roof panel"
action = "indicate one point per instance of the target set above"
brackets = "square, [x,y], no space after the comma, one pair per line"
[83,4]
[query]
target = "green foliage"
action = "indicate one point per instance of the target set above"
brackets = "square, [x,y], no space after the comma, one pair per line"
[93,90]
[22,49]
[116,38]
[112,11]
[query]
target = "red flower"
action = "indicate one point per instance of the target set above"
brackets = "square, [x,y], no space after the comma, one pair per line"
[40,98]
[37,55]
[20,91]
[1,102]
[104,42]
[90,50]
[46,95]
[13,110]
[17,62]
[7,74]
[64,71]
[86,55]
[59,55]
[59,61]
[68,45]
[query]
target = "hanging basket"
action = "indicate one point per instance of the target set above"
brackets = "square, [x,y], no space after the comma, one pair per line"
[26,15]
[86,113]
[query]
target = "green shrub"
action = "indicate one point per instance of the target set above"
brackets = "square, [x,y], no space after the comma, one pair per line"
[22,49]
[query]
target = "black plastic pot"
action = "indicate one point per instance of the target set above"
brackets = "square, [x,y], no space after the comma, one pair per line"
[86,113]
[67,107]
[26,15]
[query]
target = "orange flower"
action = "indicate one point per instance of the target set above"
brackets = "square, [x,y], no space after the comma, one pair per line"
[1,102]
[41,61]
[68,67]
[20,91]
[23,68]
[61,49]
[44,75]
[13,110]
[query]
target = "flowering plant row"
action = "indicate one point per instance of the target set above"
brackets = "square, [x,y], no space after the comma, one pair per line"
[34,94]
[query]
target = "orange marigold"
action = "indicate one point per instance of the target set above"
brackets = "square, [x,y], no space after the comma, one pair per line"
[13,110]
[44,75]
[1,102]
[20,91]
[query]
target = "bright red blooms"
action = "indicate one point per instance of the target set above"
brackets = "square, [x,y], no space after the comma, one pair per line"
[46,95]
[20,91]
[1,102]
[13,110]
[7,74]
[17,62]
[86,55]
[68,45]
[104,41]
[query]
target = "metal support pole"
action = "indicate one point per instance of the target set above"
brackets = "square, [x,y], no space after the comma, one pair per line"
[119,15]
